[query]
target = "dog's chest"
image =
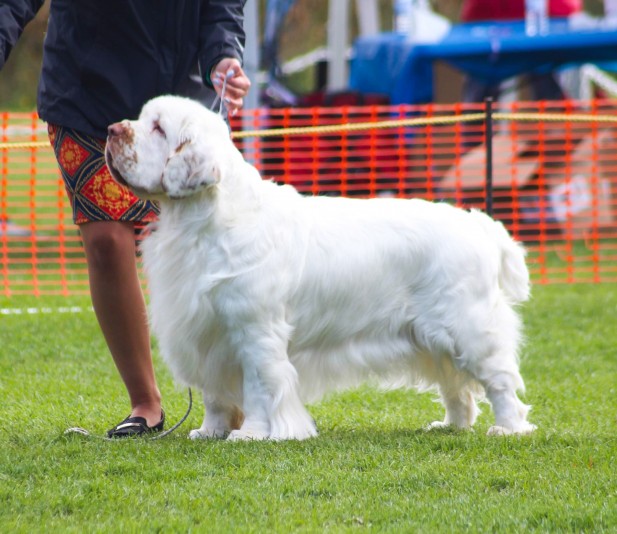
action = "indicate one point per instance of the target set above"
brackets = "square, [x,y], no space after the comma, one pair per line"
[181,275]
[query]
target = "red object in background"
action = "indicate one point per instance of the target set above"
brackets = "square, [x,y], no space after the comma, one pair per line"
[477,10]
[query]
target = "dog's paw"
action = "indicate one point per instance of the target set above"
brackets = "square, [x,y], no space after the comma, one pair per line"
[247,435]
[199,433]
[298,435]
[437,424]
[521,430]
[450,427]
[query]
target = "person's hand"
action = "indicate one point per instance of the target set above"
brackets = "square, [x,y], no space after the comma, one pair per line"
[237,85]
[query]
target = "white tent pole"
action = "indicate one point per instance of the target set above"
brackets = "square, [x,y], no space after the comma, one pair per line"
[251,52]
[338,30]
[251,68]
[368,17]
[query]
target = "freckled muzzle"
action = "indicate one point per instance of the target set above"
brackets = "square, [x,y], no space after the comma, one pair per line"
[118,134]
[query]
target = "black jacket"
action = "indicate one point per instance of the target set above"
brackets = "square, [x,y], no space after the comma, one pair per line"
[103,59]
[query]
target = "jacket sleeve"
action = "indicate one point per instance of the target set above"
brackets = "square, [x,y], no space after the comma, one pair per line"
[14,15]
[222,34]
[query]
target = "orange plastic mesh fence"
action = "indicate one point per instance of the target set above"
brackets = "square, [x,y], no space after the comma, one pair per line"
[555,182]
[40,249]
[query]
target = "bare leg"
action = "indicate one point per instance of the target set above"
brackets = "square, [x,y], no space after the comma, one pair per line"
[121,312]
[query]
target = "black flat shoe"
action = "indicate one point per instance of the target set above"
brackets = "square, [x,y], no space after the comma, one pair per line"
[135,426]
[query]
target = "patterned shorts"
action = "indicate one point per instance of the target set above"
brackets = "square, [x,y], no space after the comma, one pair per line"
[94,194]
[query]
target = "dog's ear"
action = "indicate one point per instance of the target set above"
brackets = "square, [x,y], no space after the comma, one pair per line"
[192,165]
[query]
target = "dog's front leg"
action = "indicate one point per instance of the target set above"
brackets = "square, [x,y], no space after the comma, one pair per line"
[272,407]
[220,419]
[256,424]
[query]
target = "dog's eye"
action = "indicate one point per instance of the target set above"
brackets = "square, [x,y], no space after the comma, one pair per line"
[157,128]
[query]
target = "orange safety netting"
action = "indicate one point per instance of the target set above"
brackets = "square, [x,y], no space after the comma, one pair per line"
[554,180]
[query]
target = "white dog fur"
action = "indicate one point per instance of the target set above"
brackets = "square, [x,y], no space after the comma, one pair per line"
[266,299]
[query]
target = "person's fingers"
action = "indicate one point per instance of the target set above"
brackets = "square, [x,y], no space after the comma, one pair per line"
[237,82]
[226,68]
[229,73]
[236,90]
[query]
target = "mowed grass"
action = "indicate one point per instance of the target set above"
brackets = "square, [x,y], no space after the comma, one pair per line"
[372,468]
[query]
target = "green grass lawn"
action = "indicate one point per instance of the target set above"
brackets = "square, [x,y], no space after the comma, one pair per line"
[372,467]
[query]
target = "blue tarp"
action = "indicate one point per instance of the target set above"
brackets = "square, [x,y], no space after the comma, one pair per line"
[389,63]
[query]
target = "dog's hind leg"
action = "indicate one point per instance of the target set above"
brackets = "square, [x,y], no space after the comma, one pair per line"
[457,398]
[461,409]
[220,420]
[501,379]
[488,346]
[510,412]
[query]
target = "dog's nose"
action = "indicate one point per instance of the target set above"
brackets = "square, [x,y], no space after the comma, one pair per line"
[116,129]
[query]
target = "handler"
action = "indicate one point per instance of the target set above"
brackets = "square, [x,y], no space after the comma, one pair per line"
[101,62]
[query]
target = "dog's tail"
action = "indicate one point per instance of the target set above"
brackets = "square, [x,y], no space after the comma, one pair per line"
[513,272]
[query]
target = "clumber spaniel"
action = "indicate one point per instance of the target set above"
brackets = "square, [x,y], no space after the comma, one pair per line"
[266,299]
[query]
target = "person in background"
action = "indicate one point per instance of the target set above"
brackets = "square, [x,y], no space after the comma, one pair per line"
[101,62]
[543,85]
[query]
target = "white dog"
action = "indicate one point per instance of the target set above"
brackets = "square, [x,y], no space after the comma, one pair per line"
[266,299]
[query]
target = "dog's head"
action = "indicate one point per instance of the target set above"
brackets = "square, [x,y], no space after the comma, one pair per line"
[176,148]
